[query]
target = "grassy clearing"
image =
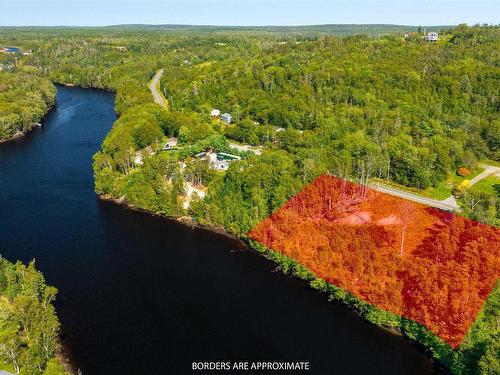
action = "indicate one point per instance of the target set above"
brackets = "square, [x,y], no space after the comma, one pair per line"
[205,64]
[444,189]
[440,192]
[490,185]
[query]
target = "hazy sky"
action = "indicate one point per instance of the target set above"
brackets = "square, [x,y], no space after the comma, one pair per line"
[247,12]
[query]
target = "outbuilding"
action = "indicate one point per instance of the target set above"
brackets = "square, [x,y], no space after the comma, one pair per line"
[227,118]
[171,144]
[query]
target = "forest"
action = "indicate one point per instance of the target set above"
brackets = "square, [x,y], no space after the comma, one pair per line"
[29,328]
[24,100]
[358,107]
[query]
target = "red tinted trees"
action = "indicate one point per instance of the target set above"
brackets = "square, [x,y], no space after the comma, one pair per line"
[422,263]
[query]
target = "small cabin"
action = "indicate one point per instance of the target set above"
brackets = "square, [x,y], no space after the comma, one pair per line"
[227,118]
[171,144]
[431,37]
[215,112]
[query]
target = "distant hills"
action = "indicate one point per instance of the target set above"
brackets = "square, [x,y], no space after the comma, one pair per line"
[341,29]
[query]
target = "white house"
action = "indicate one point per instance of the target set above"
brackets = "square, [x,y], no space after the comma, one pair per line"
[431,37]
[227,118]
[215,112]
[171,144]
[220,165]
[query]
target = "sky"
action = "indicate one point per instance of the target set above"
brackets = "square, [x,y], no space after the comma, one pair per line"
[246,12]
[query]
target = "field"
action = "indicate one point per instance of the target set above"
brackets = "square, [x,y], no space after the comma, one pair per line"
[422,263]
[490,186]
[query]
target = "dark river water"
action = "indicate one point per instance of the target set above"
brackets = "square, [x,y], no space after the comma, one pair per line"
[144,295]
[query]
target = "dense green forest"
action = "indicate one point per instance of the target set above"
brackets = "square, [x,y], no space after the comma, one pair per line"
[29,328]
[303,104]
[24,100]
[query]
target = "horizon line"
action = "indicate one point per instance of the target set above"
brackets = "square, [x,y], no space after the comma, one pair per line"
[251,26]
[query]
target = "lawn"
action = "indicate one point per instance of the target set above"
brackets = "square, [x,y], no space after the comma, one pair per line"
[490,185]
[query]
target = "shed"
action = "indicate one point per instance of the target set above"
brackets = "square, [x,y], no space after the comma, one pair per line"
[227,118]
[171,144]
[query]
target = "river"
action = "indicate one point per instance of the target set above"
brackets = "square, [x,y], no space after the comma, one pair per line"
[145,295]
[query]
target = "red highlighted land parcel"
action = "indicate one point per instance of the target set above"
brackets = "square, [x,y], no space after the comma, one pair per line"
[427,265]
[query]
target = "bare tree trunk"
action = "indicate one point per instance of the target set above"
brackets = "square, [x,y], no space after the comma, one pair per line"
[403,234]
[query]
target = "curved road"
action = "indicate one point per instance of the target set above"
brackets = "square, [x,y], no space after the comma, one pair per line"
[449,204]
[153,86]
[488,171]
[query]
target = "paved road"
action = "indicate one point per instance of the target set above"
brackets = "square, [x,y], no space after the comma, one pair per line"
[449,204]
[488,171]
[153,86]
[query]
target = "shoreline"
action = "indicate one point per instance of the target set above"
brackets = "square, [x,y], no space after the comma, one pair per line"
[182,220]
[22,134]
[64,358]
[79,86]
